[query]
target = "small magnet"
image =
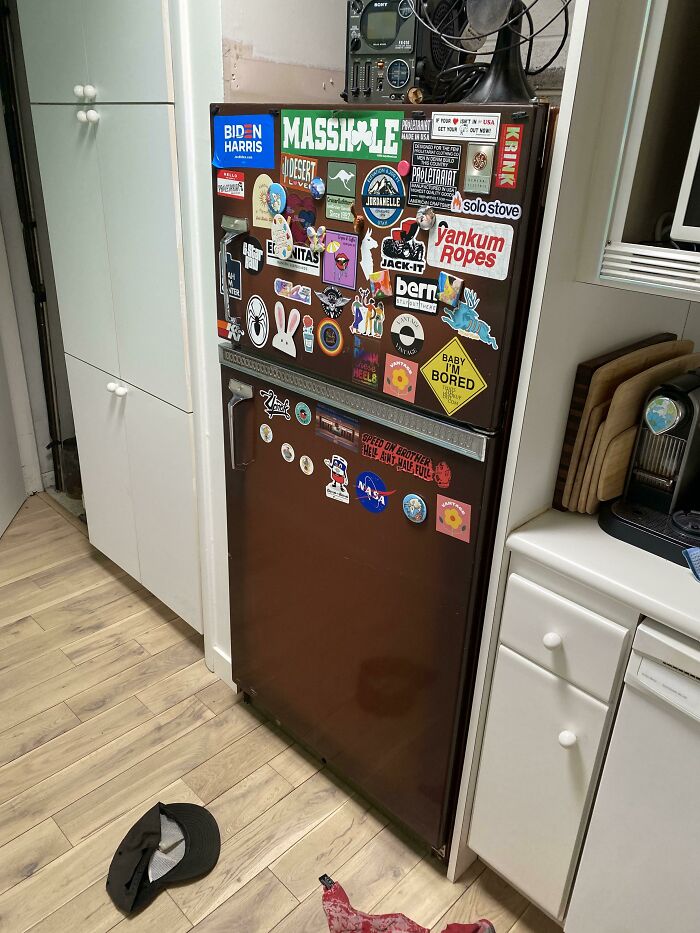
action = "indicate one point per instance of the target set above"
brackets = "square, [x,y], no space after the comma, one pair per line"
[276,198]
[282,240]
[425,216]
[404,167]
[287,452]
[317,187]
[317,239]
[415,509]
[266,433]
[306,464]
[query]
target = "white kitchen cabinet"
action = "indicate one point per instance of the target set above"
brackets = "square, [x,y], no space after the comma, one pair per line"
[70,181]
[541,743]
[100,425]
[119,47]
[138,175]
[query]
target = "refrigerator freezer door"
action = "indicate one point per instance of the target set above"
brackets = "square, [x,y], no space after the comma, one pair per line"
[428,319]
[352,560]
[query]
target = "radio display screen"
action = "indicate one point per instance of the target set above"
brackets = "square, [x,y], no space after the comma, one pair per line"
[381,25]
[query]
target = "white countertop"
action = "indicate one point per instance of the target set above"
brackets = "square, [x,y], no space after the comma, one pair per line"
[575,546]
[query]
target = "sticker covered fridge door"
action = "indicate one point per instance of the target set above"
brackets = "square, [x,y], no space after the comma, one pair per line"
[386,250]
[354,594]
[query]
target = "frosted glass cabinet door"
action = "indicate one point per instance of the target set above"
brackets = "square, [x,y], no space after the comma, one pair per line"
[54,48]
[128,50]
[70,182]
[142,221]
[100,428]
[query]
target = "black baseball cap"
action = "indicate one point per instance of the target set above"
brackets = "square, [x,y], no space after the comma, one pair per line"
[169,844]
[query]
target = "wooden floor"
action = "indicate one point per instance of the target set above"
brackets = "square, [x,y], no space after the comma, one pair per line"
[106,707]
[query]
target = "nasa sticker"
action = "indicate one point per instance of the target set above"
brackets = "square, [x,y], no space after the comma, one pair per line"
[258,321]
[371,492]
[407,335]
[383,196]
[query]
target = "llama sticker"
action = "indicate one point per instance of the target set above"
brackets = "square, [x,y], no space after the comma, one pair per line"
[366,258]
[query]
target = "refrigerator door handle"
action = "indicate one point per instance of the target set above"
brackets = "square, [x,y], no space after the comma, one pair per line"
[240,392]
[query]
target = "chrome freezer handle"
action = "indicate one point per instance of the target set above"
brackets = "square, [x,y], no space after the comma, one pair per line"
[240,392]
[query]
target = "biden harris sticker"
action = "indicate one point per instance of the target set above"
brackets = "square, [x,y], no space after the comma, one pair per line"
[244,141]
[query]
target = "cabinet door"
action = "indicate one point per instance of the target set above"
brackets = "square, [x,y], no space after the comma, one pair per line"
[70,182]
[53,46]
[161,458]
[100,428]
[531,791]
[138,171]
[128,50]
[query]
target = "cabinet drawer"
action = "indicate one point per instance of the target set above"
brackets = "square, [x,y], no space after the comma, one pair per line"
[573,642]
[531,791]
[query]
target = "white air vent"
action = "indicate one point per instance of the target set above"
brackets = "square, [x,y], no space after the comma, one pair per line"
[671,270]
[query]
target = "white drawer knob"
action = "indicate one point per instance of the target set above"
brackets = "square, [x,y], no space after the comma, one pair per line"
[90,92]
[121,391]
[111,386]
[79,90]
[82,116]
[92,116]
[552,640]
[567,739]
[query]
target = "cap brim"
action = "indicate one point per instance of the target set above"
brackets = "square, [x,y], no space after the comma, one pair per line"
[204,841]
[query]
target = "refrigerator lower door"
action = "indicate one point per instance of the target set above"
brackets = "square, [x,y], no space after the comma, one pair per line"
[353,623]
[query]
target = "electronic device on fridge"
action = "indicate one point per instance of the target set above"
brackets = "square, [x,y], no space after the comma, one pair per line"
[660,508]
[686,220]
[415,51]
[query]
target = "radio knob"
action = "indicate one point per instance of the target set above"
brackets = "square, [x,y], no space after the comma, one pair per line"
[355,44]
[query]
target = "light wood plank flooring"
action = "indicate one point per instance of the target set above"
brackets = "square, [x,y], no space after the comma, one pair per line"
[106,706]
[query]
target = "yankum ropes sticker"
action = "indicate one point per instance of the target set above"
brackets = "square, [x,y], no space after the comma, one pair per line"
[230,184]
[383,196]
[246,141]
[302,259]
[416,293]
[453,377]
[462,245]
[406,460]
[366,134]
[509,155]
[435,174]
[475,127]
[492,209]
[297,171]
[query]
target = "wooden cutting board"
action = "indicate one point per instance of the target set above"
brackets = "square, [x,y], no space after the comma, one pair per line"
[626,409]
[596,418]
[616,463]
[588,473]
[604,382]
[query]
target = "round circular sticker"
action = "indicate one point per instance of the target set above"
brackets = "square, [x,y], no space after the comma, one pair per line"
[383,196]
[266,433]
[306,464]
[407,335]
[317,187]
[303,413]
[662,414]
[276,198]
[253,255]
[414,508]
[330,337]
[258,321]
[288,452]
[371,492]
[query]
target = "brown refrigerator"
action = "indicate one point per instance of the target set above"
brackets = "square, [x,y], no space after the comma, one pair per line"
[373,278]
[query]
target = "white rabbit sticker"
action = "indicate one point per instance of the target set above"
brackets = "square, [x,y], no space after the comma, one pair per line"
[284,338]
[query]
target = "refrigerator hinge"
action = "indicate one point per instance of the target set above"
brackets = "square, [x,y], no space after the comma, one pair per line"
[440,853]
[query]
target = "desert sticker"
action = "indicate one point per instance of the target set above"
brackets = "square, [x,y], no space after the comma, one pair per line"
[297,171]
[453,377]
[366,134]
[475,246]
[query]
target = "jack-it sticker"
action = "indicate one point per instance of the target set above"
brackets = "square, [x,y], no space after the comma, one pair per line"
[383,196]
[475,127]
[435,174]
[416,294]
[406,460]
[467,322]
[453,377]
[244,141]
[340,259]
[400,377]
[453,518]
[366,134]
[230,184]
[338,487]
[365,366]
[474,246]
[297,171]
[401,251]
[274,405]
[371,492]
[509,155]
